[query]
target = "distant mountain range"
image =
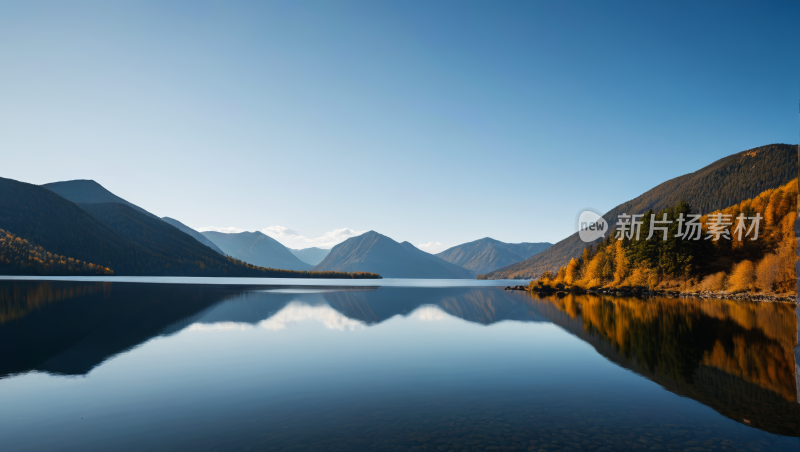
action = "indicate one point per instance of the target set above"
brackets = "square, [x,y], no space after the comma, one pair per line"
[721,184]
[488,254]
[253,248]
[109,234]
[257,249]
[198,236]
[81,220]
[113,234]
[311,256]
[389,258]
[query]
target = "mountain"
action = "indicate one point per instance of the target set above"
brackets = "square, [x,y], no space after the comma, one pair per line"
[46,219]
[83,191]
[723,183]
[527,249]
[197,236]
[488,254]
[116,236]
[312,256]
[152,233]
[130,244]
[379,254]
[21,257]
[257,249]
[90,192]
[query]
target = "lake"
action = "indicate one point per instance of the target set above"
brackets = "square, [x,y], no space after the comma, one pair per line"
[121,365]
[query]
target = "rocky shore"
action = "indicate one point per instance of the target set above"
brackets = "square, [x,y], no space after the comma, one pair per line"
[560,290]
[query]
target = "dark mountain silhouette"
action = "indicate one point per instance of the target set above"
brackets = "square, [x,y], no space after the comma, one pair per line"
[117,236]
[46,219]
[488,254]
[311,256]
[85,191]
[721,184]
[393,260]
[197,236]
[152,233]
[257,249]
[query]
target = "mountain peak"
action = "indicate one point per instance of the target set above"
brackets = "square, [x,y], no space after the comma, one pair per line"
[487,254]
[380,253]
[88,191]
[725,182]
[257,248]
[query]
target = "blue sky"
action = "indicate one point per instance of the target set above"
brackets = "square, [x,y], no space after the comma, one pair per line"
[436,121]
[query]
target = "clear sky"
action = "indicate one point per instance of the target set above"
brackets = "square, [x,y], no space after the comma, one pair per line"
[427,121]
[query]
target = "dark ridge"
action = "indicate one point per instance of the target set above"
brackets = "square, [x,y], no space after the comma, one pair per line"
[721,184]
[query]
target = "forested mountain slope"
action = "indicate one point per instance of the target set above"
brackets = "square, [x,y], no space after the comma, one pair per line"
[723,183]
[21,257]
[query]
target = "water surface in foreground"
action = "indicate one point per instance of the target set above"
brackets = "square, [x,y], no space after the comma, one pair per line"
[123,366]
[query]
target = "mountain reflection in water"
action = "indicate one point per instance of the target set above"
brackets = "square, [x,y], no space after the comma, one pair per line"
[732,355]
[735,357]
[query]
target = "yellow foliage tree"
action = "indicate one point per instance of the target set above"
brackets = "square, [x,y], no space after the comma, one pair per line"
[714,282]
[742,277]
[767,272]
[621,264]
[572,272]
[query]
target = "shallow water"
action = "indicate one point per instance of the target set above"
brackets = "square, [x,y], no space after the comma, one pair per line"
[124,366]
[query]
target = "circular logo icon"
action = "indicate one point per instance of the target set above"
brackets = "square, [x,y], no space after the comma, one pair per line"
[590,225]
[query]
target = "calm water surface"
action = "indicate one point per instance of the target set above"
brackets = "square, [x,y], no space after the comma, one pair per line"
[385,282]
[136,366]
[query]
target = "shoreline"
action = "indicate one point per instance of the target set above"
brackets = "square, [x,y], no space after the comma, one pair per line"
[644,293]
